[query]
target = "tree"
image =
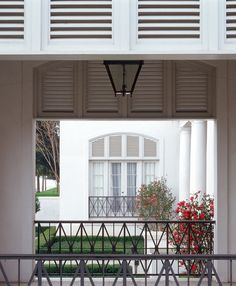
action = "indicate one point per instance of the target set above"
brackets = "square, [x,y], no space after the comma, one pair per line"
[47,148]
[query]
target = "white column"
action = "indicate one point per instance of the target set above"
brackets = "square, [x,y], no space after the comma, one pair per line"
[184,162]
[17,167]
[198,156]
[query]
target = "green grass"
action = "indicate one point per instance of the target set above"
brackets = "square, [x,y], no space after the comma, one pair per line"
[48,193]
[91,244]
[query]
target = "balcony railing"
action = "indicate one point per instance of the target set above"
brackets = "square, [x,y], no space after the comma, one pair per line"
[126,237]
[111,206]
[154,269]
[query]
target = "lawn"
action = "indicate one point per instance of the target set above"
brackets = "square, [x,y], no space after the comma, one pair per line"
[50,243]
[88,244]
[48,193]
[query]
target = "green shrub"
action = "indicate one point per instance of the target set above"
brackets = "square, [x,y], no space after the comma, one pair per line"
[155,201]
[95,269]
[72,244]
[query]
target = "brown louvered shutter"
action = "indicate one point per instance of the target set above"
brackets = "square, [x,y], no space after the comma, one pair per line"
[56,90]
[194,88]
[88,19]
[174,19]
[148,96]
[12,19]
[230,19]
[100,99]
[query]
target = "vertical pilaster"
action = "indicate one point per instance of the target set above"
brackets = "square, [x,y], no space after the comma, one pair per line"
[184,162]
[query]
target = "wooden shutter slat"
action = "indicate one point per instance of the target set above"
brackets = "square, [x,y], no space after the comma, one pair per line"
[12,19]
[81,19]
[149,89]
[192,91]
[100,95]
[168,19]
[58,89]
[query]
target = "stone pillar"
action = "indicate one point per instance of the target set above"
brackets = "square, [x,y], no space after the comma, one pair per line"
[184,162]
[198,156]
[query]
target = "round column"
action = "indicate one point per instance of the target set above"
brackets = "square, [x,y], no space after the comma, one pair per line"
[198,156]
[184,162]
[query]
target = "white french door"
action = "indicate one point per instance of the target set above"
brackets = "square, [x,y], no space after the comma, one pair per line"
[123,178]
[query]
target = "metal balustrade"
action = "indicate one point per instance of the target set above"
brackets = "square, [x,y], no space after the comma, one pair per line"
[112,206]
[154,269]
[126,237]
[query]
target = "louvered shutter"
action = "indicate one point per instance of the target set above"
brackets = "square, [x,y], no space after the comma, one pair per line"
[76,19]
[132,146]
[100,98]
[98,148]
[150,148]
[148,96]
[174,19]
[115,146]
[56,90]
[193,89]
[12,19]
[230,19]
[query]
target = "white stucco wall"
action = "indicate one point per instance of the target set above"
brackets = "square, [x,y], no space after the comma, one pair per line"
[49,208]
[74,159]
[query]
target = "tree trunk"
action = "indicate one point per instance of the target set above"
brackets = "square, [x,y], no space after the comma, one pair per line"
[38,183]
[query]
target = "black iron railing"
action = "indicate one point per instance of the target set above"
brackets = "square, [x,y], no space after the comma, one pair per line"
[126,237]
[113,206]
[152,270]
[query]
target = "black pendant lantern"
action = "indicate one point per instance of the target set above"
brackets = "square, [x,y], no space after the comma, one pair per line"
[123,75]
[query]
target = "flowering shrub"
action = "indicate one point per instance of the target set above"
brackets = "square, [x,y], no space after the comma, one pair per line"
[197,208]
[195,238]
[155,201]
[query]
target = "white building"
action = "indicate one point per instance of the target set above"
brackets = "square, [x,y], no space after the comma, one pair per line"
[103,163]
[51,58]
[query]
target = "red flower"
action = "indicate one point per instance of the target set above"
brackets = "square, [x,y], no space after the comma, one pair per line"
[202,216]
[194,267]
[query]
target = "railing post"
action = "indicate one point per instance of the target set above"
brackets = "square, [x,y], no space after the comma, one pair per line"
[209,272]
[82,270]
[124,270]
[166,272]
[40,270]
[60,237]
[38,244]
[145,235]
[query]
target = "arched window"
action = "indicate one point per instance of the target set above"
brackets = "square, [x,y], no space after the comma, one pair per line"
[120,163]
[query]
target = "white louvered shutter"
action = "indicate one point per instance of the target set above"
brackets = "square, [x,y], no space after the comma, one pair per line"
[12,19]
[173,19]
[230,19]
[148,96]
[98,148]
[100,98]
[132,146]
[193,89]
[115,146]
[150,148]
[56,92]
[78,19]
